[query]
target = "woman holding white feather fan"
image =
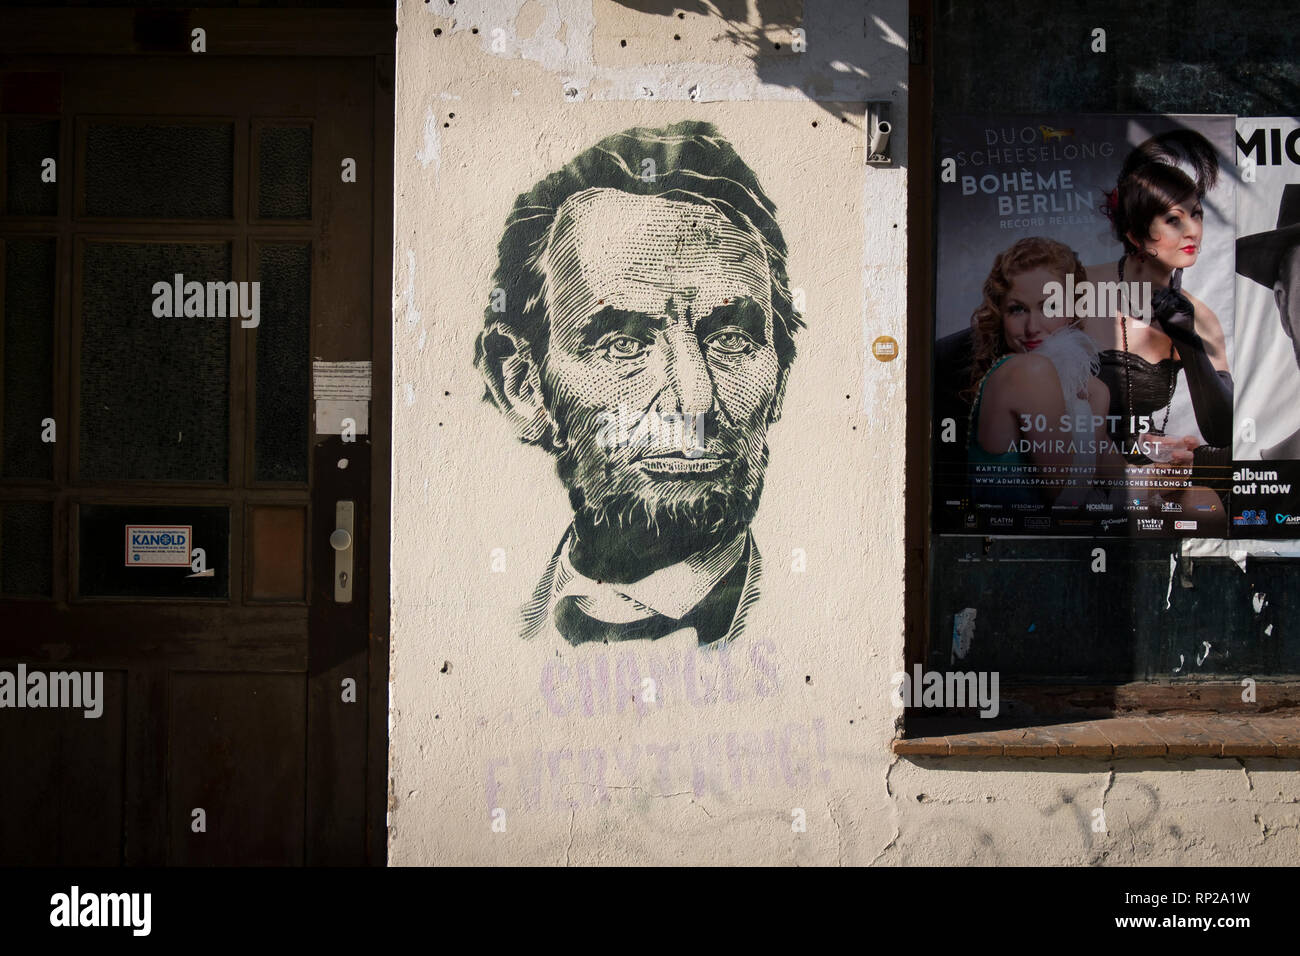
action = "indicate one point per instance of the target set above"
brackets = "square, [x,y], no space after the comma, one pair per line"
[1037,430]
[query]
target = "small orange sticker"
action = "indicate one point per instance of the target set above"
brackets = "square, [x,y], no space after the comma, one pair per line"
[885,348]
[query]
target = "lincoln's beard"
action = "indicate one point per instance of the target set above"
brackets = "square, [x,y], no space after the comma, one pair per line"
[612,495]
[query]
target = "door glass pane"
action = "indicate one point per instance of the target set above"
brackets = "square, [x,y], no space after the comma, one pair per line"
[105,551]
[284,172]
[28,349]
[160,171]
[27,145]
[154,391]
[26,549]
[277,571]
[283,349]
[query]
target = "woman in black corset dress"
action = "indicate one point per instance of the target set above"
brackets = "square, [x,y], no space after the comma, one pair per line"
[1158,217]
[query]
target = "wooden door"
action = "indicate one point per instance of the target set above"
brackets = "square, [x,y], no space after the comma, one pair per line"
[237,686]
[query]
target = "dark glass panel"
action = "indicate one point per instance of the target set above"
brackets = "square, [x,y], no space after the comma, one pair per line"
[27,549]
[28,144]
[284,172]
[103,570]
[154,391]
[283,363]
[158,171]
[28,348]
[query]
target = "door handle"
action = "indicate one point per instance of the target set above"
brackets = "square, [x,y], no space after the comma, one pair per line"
[341,541]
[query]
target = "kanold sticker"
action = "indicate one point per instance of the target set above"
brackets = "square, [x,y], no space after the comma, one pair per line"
[158,545]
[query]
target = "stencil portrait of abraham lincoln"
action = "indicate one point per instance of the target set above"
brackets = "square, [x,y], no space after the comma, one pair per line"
[641,331]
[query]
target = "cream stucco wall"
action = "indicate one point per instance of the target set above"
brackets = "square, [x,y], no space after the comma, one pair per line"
[796,714]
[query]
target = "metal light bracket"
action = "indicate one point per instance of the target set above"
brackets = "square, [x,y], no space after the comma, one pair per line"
[878,128]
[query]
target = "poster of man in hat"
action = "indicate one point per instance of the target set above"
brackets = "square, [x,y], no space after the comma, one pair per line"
[1265,501]
[1268,289]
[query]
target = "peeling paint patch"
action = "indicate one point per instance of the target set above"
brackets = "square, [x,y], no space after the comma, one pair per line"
[1239,549]
[431,152]
[1173,566]
[558,35]
[530,17]
[410,394]
[1258,601]
[963,632]
[412,313]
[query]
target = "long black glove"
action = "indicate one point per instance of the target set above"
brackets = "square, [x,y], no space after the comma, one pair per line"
[1211,389]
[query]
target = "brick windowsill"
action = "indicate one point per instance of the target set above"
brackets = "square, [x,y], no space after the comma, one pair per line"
[1276,734]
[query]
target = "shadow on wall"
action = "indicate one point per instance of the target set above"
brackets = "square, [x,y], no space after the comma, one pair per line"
[828,61]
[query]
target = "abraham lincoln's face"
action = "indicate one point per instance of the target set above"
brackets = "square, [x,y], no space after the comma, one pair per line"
[660,315]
